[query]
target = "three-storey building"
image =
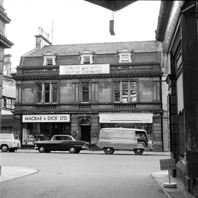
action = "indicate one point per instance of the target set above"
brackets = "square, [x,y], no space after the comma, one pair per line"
[78,89]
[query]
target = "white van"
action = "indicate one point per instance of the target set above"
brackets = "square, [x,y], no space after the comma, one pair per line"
[111,139]
[9,142]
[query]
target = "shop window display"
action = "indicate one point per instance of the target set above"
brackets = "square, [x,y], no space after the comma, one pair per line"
[43,131]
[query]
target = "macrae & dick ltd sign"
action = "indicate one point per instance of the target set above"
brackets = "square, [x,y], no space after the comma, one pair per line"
[46,118]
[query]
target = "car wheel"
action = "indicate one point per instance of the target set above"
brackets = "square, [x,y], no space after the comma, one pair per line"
[4,148]
[72,149]
[42,149]
[138,151]
[108,150]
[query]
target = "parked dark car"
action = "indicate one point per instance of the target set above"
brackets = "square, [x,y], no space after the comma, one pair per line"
[61,143]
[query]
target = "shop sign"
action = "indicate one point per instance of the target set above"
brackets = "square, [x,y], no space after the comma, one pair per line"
[46,118]
[126,118]
[84,69]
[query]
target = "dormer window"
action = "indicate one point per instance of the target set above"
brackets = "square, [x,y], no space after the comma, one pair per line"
[86,57]
[49,59]
[125,56]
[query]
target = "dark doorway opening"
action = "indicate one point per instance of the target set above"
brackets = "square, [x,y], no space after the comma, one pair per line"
[85,133]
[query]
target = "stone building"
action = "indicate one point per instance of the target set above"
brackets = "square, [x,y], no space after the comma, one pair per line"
[178,30]
[78,89]
[4,43]
[9,124]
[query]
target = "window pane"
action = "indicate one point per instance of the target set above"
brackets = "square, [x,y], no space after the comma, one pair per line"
[54,87]
[39,93]
[117,85]
[85,92]
[47,87]
[117,97]
[39,87]
[54,92]
[39,97]
[47,92]
[49,61]
[54,97]
[133,91]
[85,86]
[125,91]
[86,59]
[85,97]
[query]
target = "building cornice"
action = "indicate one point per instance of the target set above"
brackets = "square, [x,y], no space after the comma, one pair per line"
[4,42]
[3,16]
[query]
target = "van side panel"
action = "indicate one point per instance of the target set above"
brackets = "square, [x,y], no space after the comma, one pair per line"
[120,139]
[124,139]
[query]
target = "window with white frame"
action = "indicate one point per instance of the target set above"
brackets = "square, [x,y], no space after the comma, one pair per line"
[86,57]
[85,92]
[125,56]
[49,59]
[8,103]
[47,93]
[125,91]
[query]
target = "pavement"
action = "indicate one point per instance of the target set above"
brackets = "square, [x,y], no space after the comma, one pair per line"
[162,179]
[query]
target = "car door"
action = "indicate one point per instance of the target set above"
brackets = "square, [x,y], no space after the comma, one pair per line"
[55,145]
[66,140]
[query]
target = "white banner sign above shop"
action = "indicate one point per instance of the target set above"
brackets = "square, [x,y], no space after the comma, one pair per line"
[126,118]
[46,118]
[84,69]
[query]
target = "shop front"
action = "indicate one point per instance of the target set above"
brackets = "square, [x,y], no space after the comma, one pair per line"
[43,127]
[127,120]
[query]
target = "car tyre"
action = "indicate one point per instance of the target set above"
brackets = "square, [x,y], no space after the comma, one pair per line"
[108,150]
[72,149]
[4,148]
[42,149]
[138,151]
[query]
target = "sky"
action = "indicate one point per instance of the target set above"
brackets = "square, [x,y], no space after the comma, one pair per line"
[76,21]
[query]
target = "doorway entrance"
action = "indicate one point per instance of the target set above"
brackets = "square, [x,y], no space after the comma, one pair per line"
[85,133]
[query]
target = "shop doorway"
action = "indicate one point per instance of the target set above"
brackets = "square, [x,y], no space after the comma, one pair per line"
[85,133]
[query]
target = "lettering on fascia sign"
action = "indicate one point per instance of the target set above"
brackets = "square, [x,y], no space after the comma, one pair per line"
[84,69]
[41,118]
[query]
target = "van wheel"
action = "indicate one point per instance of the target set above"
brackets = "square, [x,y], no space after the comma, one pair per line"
[108,150]
[4,148]
[138,151]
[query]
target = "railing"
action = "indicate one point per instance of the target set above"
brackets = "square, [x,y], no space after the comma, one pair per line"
[46,107]
[114,69]
[43,70]
[135,68]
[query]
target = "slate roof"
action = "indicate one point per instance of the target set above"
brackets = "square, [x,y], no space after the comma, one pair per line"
[98,48]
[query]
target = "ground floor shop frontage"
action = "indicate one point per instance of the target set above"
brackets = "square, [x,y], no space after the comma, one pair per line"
[87,126]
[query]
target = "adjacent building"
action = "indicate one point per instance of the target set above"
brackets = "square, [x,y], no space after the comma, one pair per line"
[9,124]
[178,30]
[78,89]
[4,43]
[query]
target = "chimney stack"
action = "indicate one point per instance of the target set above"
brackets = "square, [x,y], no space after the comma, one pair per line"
[42,38]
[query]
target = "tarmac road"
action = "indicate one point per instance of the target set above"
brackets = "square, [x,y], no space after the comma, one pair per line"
[85,175]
